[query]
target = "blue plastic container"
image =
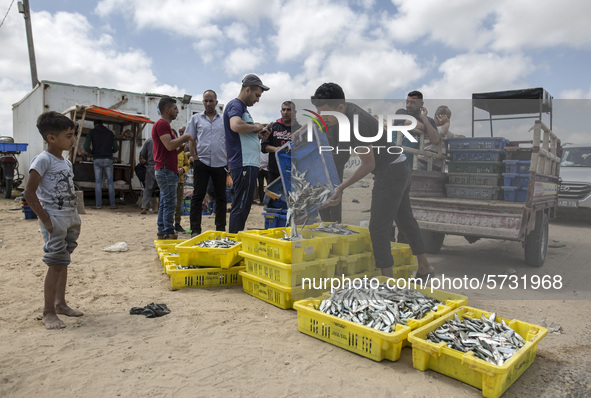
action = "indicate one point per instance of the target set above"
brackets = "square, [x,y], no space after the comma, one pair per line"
[186,207]
[472,155]
[275,218]
[29,213]
[478,143]
[514,194]
[516,180]
[12,147]
[517,166]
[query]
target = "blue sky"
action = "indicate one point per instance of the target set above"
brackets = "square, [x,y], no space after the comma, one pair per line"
[374,49]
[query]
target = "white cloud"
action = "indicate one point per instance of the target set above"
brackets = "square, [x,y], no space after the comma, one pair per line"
[469,73]
[237,32]
[243,59]
[578,93]
[532,24]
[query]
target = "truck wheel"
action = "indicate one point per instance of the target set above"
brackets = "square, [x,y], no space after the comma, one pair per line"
[8,192]
[536,243]
[433,241]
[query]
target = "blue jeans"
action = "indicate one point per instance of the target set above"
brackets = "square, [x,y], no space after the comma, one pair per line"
[167,181]
[106,166]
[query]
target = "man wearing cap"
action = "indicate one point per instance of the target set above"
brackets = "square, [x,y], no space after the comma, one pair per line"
[243,148]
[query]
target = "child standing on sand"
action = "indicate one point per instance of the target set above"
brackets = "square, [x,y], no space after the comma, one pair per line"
[50,193]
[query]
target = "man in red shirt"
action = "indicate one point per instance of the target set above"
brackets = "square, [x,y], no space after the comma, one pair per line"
[166,165]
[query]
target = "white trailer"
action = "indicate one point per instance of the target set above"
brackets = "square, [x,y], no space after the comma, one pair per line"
[55,96]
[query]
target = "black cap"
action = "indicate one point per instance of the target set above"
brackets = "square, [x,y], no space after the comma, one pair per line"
[254,80]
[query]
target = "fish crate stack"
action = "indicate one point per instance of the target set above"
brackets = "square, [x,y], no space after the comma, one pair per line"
[277,265]
[475,167]
[374,323]
[209,259]
[516,180]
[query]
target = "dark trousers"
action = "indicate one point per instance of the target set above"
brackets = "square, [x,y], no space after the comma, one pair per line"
[390,201]
[201,175]
[245,182]
[263,179]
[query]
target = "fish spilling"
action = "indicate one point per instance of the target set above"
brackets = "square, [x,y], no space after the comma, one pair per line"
[304,195]
[381,308]
[223,243]
[334,228]
[489,340]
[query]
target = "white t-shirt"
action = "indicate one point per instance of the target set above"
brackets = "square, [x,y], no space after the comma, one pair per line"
[56,188]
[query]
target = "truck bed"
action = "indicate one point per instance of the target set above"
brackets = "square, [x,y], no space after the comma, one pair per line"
[495,219]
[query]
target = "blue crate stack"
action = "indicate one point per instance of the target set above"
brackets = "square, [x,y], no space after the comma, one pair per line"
[475,167]
[516,180]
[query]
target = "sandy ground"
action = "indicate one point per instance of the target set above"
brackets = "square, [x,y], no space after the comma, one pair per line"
[223,342]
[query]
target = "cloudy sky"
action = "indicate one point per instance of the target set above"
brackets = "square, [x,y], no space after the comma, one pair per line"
[372,48]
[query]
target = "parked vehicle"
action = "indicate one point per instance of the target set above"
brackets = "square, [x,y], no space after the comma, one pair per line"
[9,175]
[575,170]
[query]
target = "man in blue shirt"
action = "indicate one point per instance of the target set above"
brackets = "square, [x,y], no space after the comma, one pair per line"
[243,148]
[209,161]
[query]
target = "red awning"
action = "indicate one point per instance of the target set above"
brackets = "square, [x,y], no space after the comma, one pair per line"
[106,114]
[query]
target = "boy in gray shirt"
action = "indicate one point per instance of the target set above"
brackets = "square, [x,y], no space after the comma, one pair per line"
[50,193]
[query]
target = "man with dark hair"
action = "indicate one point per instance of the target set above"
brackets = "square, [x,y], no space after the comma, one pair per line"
[243,147]
[425,125]
[390,196]
[165,145]
[101,143]
[280,133]
[209,161]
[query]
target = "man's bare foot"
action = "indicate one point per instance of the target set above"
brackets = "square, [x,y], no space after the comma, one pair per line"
[67,311]
[51,321]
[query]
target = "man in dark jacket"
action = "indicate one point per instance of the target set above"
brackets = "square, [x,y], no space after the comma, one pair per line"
[101,143]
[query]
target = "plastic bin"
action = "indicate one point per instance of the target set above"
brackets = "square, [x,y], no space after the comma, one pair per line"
[289,275]
[348,244]
[478,143]
[12,147]
[273,293]
[29,213]
[516,180]
[191,254]
[402,254]
[493,380]
[186,207]
[472,155]
[275,218]
[475,167]
[474,179]
[517,166]
[481,192]
[269,244]
[514,194]
[204,277]
[370,343]
[355,264]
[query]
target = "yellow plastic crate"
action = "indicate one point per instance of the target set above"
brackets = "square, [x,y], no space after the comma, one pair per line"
[190,254]
[268,244]
[170,259]
[204,277]
[288,275]
[274,293]
[493,380]
[370,343]
[167,243]
[402,254]
[404,271]
[348,244]
[355,264]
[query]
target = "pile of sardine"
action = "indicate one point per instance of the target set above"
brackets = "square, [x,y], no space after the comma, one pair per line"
[303,195]
[223,243]
[491,341]
[334,228]
[379,309]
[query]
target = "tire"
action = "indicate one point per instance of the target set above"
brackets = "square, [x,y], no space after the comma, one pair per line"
[536,243]
[433,241]
[8,192]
